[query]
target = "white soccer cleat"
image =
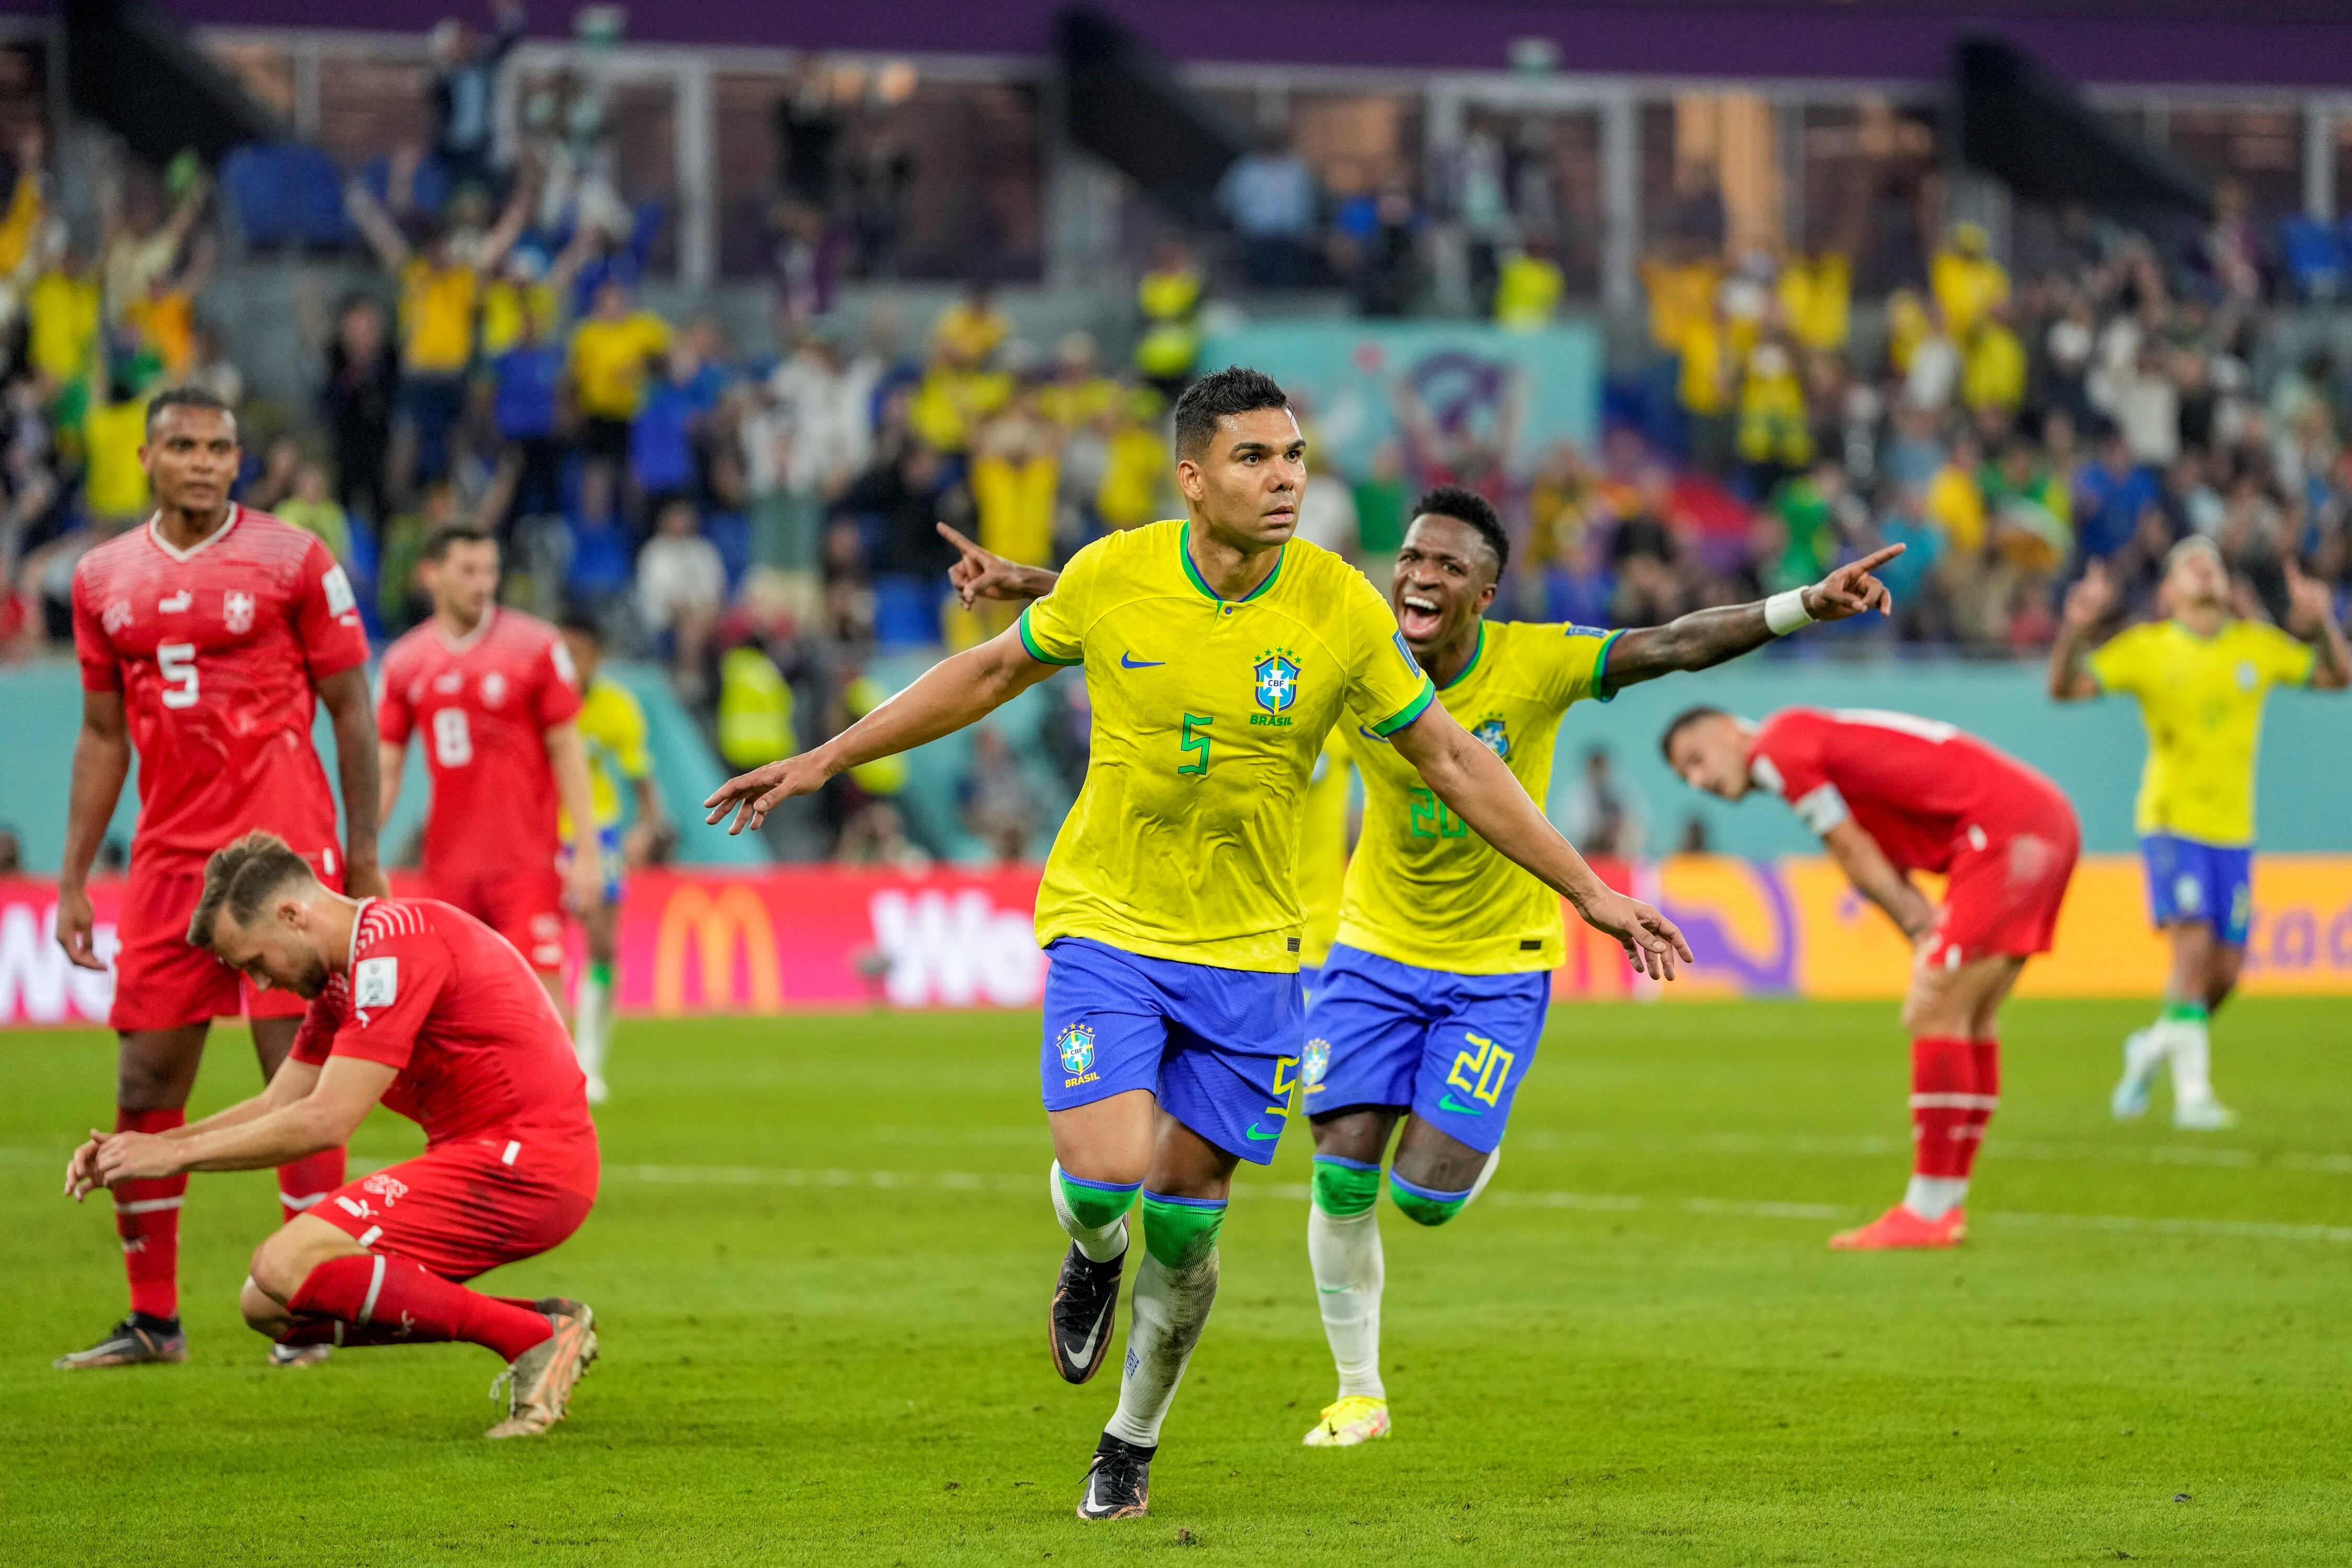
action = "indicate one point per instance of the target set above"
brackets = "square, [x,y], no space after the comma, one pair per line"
[597,1093]
[1359,1418]
[2207,1115]
[2144,1058]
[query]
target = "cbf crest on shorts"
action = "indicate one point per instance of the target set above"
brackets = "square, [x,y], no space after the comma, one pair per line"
[1315,1062]
[1274,684]
[1076,1045]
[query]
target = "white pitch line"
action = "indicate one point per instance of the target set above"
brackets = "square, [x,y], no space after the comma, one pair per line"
[1506,1197]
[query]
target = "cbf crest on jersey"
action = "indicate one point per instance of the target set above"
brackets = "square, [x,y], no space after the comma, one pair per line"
[1274,685]
[1076,1045]
[237,611]
[1492,733]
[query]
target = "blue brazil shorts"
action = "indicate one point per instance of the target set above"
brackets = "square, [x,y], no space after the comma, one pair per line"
[1452,1046]
[1218,1047]
[2192,881]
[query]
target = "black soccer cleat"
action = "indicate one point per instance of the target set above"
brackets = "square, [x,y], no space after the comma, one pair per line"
[135,1340]
[1118,1482]
[1078,1323]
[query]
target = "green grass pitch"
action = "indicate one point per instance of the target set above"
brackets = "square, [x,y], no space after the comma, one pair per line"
[824,1248]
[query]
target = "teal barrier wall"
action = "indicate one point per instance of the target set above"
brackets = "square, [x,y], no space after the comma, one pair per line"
[40,712]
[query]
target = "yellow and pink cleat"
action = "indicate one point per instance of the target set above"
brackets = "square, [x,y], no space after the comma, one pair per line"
[1357,1419]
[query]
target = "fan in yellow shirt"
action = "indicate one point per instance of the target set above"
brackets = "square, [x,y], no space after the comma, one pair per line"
[612,730]
[2202,677]
[1219,652]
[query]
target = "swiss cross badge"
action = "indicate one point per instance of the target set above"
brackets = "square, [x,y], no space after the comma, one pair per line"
[236,610]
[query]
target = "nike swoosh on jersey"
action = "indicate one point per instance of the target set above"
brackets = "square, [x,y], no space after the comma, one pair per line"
[1255,1136]
[1128,661]
[1447,1102]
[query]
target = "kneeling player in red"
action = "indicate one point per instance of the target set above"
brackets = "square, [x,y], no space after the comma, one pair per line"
[1890,794]
[423,1008]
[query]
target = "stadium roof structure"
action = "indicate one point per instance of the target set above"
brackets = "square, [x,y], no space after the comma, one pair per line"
[2225,43]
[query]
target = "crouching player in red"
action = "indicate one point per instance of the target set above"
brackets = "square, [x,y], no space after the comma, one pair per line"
[1890,794]
[423,1008]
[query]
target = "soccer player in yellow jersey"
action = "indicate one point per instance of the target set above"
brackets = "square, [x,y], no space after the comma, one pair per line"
[612,730]
[2201,676]
[1432,997]
[1218,653]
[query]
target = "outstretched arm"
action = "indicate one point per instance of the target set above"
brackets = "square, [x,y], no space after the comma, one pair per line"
[953,693]
[1874,876]
[1706,637]
[2314,620]
[1483,792]
[2087,602]
[980,574]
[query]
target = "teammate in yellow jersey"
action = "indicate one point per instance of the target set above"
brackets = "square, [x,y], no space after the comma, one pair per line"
[1219,652]
[612,730]
[1432,998]
[1322,861]
[2201,676]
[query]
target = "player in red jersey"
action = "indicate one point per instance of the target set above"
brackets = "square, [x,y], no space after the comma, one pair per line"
[424,1009]
[1890,794]
[204,638]
[495,694]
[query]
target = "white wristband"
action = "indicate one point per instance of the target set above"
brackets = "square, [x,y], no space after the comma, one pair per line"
[1785,613]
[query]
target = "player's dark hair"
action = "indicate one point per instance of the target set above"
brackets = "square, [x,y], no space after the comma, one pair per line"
[583,622]
[437,545]
[1233,390]
[1468,506]
[240,877]
[1684,720]
[187,397]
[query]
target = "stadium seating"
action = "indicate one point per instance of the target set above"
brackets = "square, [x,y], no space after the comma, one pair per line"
[286,194]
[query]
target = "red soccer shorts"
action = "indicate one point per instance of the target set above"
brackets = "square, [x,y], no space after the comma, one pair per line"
[525,907]
[2006,884]
[463,1209]
[162,983]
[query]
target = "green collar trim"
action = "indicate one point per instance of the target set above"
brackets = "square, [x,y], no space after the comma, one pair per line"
[1185,553]
[1476,655]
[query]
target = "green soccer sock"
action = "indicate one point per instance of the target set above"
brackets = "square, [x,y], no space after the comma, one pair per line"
[1094,1213]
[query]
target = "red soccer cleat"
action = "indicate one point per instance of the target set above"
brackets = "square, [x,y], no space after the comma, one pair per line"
[1903,1227]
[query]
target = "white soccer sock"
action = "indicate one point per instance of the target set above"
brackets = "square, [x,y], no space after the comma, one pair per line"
[2191,1047]
[1486,1175]
[1345,1254]
[592,1024]
[1098,1244]
[1933,1197]
[1170,1308]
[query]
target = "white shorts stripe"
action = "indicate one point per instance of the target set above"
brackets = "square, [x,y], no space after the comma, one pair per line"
[1955,1102]
[513,1148]
[298,1203]
[148,1206]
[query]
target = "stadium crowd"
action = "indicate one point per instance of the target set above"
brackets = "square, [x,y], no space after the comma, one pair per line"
[761,517]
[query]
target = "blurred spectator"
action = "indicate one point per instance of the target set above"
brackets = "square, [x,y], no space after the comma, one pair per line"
[465,95]
[440,293]
[611,355]
[1168,296]
[312,508]
[1134,489]
[681,588]
[876,837]
[11,851]
[1965,280]
[400,599]
[1269,195]
[1602,819]
[358,396]
[2110,495]
[1016,475]
[1527,288]
[1001,807]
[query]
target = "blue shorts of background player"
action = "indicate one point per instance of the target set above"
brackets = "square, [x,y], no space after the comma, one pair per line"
[608,852]
[2192,882]
[1455,1047]
[1219,1047]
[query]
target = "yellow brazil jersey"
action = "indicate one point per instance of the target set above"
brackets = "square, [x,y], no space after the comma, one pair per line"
[1323,849]
[612,732]
[1208,717]
[1422,888]
[2201,701]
